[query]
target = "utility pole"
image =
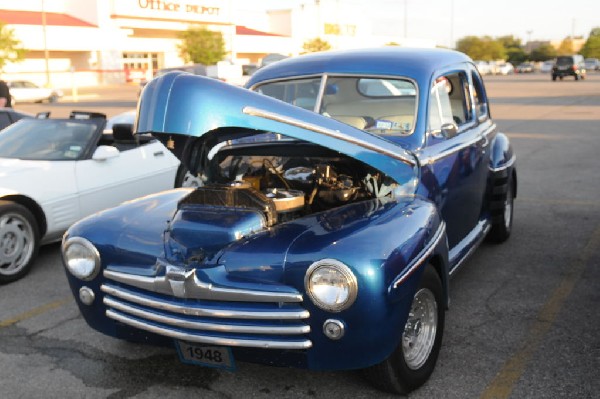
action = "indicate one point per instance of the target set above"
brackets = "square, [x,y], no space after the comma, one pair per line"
[46,53]
[405,19]
[452,45]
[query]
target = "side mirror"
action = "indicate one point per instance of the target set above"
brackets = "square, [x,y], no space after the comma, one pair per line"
[449,130]
[105,152]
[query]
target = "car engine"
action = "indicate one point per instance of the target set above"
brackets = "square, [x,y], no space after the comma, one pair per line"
[284,188]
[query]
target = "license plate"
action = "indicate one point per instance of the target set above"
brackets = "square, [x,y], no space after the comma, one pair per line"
[207,356]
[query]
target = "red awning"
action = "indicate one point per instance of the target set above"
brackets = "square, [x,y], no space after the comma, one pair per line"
[13,17]
[242,30]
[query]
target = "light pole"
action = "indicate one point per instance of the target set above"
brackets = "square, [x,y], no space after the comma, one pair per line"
[405,19]
[46,55]
[452,46]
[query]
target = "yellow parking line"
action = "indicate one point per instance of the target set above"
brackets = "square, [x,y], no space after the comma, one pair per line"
[36,311]
[537,136]
[572,202]
[503,384]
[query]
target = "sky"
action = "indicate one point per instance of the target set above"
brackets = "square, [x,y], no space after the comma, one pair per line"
[446,21]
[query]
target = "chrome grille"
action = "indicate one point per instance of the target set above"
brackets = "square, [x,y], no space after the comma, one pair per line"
[277,325]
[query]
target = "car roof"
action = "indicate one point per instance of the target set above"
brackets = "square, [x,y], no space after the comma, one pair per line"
[395,61]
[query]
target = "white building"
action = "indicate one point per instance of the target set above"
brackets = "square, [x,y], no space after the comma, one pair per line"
[90,42]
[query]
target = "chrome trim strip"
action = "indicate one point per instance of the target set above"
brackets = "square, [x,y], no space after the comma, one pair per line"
[427,160]
[422,256]
[248,343]
[507,165]
[319,99]
[248,110]
[185,284]
[200,325]
[192,311]
[479,231]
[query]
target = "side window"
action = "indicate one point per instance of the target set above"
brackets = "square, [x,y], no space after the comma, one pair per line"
[449,102]
[440,112]
[481,107]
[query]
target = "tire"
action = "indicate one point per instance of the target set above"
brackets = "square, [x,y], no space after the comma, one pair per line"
[413,361]
[53,98]
[561,77]
[502,209]
[19,241]
[576,77]
[185,179]
[553,77]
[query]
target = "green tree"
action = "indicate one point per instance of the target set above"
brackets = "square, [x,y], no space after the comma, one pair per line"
[316,44]
[566,47]
[515,53]
[510,41]
[201,46]
[10,47]
[591,48]
[544,52]
[481,48]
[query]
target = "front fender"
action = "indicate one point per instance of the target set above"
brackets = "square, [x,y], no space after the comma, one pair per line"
[380,247]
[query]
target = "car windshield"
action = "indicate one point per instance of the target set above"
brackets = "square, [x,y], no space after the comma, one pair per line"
[47,139]
[385,106]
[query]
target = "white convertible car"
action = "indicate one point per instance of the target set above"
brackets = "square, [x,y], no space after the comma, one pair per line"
[54,172]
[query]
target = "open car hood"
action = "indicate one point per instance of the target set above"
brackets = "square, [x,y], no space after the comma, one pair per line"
[184,104]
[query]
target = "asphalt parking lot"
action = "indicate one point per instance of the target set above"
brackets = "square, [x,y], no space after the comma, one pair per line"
[523,321]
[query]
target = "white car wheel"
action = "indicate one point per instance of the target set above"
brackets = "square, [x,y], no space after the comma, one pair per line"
[18,241]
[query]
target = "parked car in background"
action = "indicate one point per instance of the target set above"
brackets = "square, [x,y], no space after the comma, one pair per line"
[524,67]
[592,64]
[53,172]
[547,66]
[482,67]
[25,91]
[175,144]
[271,58]
[505,68]
[569,65]
[324,236]
[8,116]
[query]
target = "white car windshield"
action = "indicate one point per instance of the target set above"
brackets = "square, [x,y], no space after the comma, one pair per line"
[382,105]
[48,139]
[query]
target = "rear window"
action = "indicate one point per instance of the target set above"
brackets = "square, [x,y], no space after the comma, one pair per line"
[564,61]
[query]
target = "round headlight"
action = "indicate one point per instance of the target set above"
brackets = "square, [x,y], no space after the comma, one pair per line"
[331,285]
[81,258]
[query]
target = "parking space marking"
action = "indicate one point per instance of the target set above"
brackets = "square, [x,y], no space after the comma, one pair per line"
[504,382]
[537,136]
[570,202]
[36,311]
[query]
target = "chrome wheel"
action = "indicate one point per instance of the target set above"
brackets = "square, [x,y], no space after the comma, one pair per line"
[418,338]
[17,243]
[508,208]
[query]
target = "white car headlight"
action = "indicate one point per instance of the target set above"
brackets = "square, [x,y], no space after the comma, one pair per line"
[81,258]
[331,285]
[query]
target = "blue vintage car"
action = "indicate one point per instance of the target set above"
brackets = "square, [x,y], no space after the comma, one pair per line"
[339,194]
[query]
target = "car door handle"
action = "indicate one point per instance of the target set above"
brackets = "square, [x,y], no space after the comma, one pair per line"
[159,153]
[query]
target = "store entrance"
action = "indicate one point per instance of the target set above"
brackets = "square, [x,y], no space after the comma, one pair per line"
[140,66]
